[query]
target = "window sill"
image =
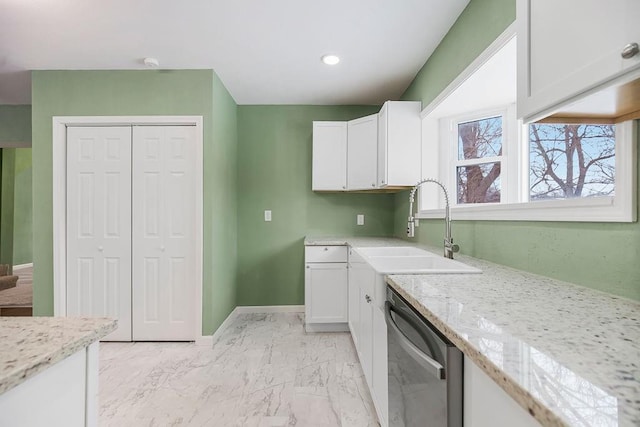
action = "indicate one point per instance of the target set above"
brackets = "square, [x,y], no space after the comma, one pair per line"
[597,209]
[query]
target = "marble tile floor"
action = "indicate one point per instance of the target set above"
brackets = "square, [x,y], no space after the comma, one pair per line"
[263,371]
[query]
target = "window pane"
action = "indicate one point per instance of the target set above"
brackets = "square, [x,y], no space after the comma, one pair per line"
[479,183]
[571,160]
[480,138]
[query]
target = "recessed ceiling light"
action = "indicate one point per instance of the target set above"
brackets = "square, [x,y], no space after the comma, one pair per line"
[330,59]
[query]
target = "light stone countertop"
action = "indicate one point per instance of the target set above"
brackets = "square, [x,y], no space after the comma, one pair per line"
[355,242]
[568,354]
[29,345]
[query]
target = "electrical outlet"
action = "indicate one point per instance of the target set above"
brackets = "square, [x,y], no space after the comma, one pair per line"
[417,222]
[360,219]
[267,215]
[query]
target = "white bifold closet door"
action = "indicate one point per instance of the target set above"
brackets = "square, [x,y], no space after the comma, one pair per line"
[99,225]
[164,227]
[131,229]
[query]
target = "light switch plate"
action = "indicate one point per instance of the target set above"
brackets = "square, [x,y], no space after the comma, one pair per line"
[360,219]
[267,215]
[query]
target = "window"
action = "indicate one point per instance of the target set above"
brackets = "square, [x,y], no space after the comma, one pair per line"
[479,160]
[495,168]
[571,160]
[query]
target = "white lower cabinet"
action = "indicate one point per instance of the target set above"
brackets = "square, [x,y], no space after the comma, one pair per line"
[325,288]
[380,375]
[482,396]
[63,395]
[365,340]
[369,330]
[354,304]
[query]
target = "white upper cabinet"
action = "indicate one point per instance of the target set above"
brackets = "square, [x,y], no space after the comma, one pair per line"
[570,47]
[362,153]
[399,144]
[378,151]
[329,156]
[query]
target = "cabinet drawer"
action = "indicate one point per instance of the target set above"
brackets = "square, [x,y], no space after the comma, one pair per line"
[325,254]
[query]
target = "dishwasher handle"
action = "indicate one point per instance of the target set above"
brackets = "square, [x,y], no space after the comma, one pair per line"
[428,363]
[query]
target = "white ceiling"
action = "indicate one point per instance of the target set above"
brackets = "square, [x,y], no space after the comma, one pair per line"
[265,52]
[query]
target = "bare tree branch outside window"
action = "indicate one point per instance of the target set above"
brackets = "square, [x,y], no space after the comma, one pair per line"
[479,182]
[571,160]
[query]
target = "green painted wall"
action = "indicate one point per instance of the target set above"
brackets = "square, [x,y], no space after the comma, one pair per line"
[7,192]
[162,92]
[22,208]
[221,231]
[479,24]
[599,255]
[274,172]
[16,207]
[15,124]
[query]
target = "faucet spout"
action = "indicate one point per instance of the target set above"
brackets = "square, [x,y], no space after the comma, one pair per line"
[449,247]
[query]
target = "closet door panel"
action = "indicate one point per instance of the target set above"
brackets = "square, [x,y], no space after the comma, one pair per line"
[164,224]
[99,225]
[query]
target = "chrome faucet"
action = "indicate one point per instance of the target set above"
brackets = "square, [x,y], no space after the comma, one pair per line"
[449,247]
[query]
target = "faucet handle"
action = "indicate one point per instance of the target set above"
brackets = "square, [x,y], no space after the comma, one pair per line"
[455,248]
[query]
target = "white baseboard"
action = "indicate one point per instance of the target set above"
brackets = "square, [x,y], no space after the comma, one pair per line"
[209,340]
[270,309]
[326,327]
[22,266]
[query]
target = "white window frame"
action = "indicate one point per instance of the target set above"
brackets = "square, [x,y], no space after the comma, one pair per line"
[438,159]
[509,177]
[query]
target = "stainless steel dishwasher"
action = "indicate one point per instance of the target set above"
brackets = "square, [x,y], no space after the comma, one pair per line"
[425,370]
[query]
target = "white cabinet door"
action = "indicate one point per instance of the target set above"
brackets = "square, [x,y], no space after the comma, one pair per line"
[354,304]
[365,339]
[566,48]
[164,227]
[481,398]
[379,368]
[399,144]
[325,293]
[99,225]
[362,153]
[55,397]
[329,168]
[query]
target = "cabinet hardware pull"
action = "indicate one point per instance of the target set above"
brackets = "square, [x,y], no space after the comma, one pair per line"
[630,50]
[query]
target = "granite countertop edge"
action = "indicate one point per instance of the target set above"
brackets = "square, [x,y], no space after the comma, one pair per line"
[534,407]
[23,372]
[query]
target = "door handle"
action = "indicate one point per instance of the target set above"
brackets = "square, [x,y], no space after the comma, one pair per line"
[429,364]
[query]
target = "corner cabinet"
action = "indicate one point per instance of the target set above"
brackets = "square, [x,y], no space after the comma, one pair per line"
[568,48]
[399,144]
[329,168]
[362,152]
[325,289]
